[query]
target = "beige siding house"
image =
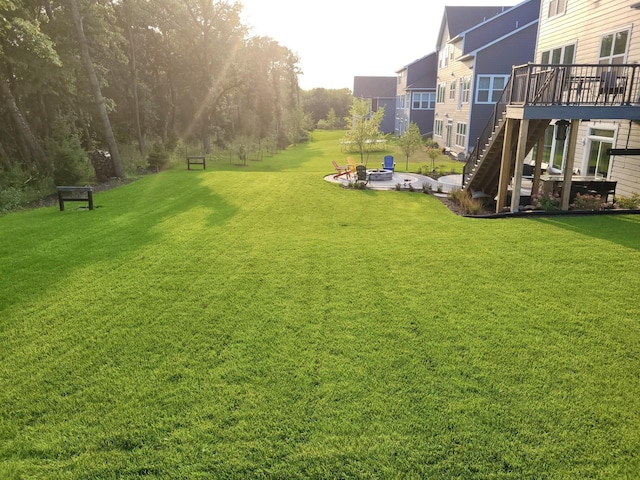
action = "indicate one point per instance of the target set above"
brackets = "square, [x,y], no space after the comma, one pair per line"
[586,75]
[594,32]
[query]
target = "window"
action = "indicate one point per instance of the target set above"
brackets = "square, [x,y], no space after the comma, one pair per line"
[400,102]
[597,161]
[461,134]
[446,54]
[613,47]
[437,128]
[554,151]
[561,55]
[442,87]
[465,89]
[452,90]
[557,7]
[423,101]
[490,88]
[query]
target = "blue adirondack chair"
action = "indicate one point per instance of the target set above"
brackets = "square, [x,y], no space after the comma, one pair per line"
[388,163]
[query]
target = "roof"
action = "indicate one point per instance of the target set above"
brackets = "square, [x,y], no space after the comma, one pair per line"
[374,87]
[460,19]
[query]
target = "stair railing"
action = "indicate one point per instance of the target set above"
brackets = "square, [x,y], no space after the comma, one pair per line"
[496,117]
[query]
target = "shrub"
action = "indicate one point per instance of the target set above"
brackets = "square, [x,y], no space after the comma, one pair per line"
[357,185]
[431,143]
[468,205]
[545,201]
[471,206]
[587,202]
[158,157]
[426,188]
[10,198]
[628,203]
[457,195]
[69,162]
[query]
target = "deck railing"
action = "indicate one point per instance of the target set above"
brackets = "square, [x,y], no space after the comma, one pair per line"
[604,85]
[576,84]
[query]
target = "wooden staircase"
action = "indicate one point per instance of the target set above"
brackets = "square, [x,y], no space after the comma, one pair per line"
[484,173]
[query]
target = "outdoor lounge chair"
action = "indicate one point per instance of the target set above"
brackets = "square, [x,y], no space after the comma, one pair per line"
[351,164]
[388,163]
[342,170]
[612,85]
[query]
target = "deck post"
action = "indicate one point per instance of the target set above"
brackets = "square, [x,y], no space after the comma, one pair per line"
[568,169]
[538,167]
[517,172]
[505,165]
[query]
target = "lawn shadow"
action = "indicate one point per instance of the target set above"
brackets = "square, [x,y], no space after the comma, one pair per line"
[42,247]
[623,230]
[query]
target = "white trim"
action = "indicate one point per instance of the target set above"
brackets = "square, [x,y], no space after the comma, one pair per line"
[491,88]
[614,127]
[627,29]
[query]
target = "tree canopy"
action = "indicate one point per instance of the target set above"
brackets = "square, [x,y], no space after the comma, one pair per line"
[116,72]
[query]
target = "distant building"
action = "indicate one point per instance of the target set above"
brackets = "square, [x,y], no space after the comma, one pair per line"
[416,95]
[381,92]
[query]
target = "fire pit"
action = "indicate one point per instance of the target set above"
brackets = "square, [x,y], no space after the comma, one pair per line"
[379,175]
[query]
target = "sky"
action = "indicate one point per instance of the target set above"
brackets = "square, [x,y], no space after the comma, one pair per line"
[337,40]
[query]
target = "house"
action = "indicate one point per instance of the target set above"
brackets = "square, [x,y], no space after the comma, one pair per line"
[381,92]
[477,48]
[416,95]
[585,77]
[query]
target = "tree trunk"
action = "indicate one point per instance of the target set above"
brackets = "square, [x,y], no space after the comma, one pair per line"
[134,79]
[26,141]
[95,88]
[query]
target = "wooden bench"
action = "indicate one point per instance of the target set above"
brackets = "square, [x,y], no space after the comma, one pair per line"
[75,194]
[196,160]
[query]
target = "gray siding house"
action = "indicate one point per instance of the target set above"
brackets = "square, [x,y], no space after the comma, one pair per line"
[416,95]
[381,91]
[478,47]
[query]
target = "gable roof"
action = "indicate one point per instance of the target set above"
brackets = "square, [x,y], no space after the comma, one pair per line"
[421,73]
[501,26]
[459,19]
[374,87]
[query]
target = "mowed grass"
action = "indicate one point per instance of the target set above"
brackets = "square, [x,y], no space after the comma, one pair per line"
[259,322]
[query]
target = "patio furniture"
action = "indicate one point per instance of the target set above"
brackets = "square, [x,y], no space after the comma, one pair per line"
[342,170]
[611,85]
[604,189]
[361,174]
[351,164]
[388,163]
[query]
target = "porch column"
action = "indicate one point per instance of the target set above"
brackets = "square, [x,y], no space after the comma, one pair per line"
[568,167]
[517,173]
[538,166]
[505,165]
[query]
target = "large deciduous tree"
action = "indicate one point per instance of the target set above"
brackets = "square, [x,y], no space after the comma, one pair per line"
[107,131]
[25,51]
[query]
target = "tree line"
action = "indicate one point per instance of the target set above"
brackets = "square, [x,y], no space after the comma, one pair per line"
[79,75]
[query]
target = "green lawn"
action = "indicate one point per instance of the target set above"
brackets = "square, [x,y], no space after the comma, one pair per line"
[259,322]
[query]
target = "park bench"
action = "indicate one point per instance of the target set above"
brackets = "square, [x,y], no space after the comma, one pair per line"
[196,160]
[75,194]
